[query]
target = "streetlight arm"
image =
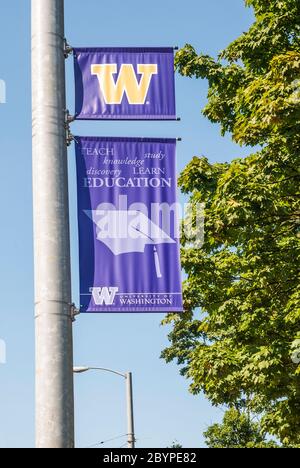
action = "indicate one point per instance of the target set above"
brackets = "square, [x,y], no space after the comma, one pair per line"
[80,370]
[109,370]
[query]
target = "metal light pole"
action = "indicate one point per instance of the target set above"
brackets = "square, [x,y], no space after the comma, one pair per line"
[54,348]
[130,417]
[129,398]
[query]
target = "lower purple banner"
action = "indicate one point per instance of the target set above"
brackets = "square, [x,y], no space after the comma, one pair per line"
[128,225]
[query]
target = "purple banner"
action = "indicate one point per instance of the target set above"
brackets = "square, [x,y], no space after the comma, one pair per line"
[125,84]
[128,225]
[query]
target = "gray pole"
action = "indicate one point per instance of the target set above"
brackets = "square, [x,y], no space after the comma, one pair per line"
[130,417]
[54,348]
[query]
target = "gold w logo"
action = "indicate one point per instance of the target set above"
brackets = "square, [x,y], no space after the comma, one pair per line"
[127,82]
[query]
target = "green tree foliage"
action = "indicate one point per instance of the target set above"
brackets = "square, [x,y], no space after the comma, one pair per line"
[239,334]
[237,430]
[175,445]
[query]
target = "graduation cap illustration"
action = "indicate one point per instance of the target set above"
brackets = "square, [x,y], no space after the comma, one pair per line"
[128,232]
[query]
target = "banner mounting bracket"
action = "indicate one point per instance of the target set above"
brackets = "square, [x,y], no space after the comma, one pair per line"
[68,120]
[74,312]
[68,50]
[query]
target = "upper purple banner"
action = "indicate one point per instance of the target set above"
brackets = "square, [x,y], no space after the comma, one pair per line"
[128,225]
[124,84]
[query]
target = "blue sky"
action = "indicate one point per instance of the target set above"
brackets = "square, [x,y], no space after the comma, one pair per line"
[164,409]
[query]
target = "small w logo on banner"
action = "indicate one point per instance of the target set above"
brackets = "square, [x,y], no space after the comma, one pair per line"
[104,296]
[126,83]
